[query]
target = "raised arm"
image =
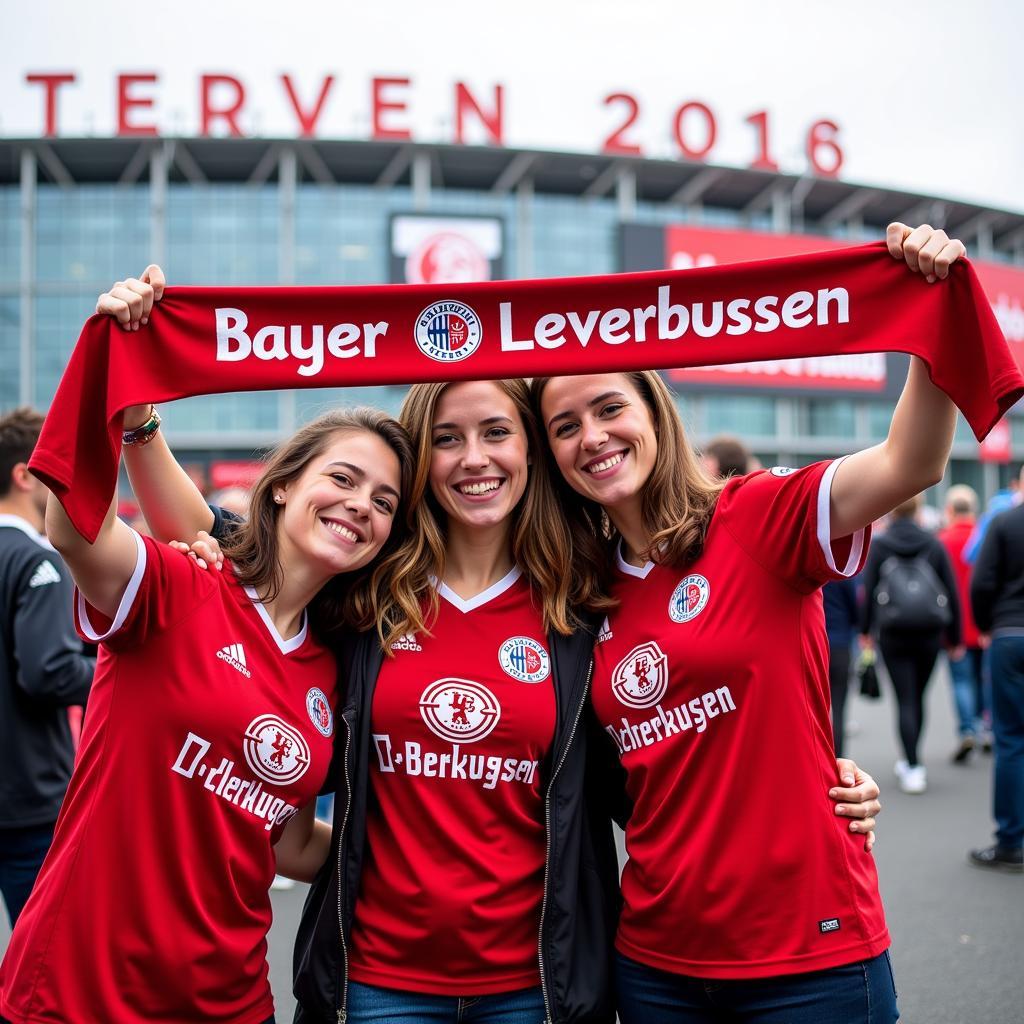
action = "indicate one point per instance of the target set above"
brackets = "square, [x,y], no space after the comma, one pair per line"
[103,569]
[170,501]
[913,457]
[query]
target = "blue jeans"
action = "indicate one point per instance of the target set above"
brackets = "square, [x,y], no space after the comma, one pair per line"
[21,856]
[1007,653]
[967,687]
[368,1003]
[860,993]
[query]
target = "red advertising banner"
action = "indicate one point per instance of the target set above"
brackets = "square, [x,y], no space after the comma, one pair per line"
[689,247]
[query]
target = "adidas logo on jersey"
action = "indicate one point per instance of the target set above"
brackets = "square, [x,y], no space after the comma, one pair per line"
[606,632]
[44,574]
[406,643]
[235,657]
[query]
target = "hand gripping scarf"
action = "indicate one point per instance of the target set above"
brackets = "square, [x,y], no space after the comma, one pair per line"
[209,340]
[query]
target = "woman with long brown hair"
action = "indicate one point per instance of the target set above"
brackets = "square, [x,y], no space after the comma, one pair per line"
[715,659]
[208,734]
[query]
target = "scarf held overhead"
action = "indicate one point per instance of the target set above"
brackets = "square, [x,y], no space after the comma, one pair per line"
[209,340]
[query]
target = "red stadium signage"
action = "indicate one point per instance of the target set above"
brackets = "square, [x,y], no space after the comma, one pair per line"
[224,107]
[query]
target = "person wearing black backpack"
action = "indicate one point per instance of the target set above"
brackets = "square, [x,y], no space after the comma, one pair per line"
[912,604]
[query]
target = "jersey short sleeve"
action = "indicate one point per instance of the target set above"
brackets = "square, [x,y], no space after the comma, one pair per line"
[164,587]
[781,518]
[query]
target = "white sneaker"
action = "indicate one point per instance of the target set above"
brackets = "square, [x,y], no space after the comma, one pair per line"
[914,779]
[900,769]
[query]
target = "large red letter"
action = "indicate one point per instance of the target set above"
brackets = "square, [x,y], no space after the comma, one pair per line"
[51,83]
[466,101]
[307,121]
[380,106]
[229,113]
[126,102]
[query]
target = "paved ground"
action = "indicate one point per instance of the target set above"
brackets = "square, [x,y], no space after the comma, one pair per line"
[958,933]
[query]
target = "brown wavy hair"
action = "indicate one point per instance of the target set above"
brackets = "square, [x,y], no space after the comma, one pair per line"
[541,541]
[677,500]
[349,600]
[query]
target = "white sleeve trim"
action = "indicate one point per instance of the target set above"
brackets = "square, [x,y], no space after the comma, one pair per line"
[825,526]
[127,599]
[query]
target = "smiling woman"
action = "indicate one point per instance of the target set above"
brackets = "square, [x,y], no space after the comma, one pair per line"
[229,772]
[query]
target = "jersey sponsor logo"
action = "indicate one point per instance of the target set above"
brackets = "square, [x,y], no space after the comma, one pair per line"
[410,758]
[673,721]
[524,659]
[448,331]
[459,710]
[275,751]
[406,642]
[221,780]
[45,573]
[830,924]
[605,632]
[689,599]
[234,655]
[641,678]
[319,710]
[782,471]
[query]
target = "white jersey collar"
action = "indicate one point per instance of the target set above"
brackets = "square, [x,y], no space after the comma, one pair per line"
[640,572]
[469,604]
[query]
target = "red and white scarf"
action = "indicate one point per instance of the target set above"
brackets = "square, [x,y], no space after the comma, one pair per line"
[209,340]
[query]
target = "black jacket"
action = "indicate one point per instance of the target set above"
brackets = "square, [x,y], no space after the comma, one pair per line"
[907,539]
[581,897]
[997,584]
[42,672]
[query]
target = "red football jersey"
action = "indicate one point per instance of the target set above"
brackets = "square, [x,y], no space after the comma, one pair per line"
[713,679]
[205,733]
[453,876]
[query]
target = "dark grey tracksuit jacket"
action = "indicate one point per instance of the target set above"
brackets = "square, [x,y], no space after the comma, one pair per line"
[42,672]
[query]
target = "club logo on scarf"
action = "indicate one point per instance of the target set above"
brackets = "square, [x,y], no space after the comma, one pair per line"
[641,678]
[459,711]
[524,659]
[689,599]
[448,331]
[276,752]
[319,711]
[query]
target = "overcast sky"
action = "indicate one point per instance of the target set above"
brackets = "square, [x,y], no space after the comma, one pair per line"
[929,96]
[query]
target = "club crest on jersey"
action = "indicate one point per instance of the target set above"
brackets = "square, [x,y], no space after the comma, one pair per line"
[641,678]
[782,471]
[319,710]
[275,751]
[689,599]
[448,331]
[524,659]
[459,711]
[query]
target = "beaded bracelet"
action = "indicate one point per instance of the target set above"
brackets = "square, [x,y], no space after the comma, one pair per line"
[144,433]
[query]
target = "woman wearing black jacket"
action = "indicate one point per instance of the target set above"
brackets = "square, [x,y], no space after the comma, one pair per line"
[911,601]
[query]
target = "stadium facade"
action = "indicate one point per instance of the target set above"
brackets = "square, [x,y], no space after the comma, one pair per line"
[78,213]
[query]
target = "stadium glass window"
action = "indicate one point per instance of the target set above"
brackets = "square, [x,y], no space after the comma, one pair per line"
[91,235]
[58,322]
[744,415]
[829,417]
[572,236]
[879,418]
[10,235]
[225,414]
[10,351]
[223,234]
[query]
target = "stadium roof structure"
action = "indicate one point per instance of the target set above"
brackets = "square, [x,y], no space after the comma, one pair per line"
[792,202]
